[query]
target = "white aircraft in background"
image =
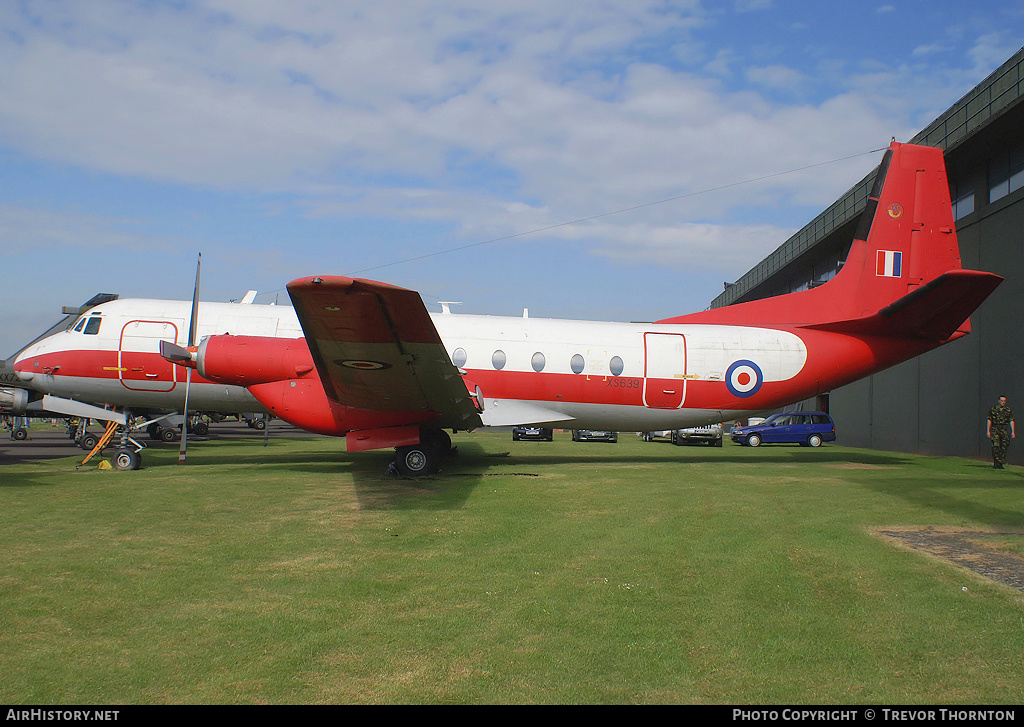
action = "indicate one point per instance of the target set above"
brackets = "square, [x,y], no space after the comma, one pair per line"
[365,360]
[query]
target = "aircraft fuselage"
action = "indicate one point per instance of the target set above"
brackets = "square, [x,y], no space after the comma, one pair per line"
[563,373]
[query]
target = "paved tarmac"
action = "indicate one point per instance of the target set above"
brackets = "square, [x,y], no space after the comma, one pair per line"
[46,442]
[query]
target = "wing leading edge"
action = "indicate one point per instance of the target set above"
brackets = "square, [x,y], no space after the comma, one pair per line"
[376,348]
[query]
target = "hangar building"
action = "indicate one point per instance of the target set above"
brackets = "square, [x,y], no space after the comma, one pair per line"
[938,402]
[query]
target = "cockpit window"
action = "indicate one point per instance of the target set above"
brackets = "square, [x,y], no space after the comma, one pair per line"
[80,325]
[93,326]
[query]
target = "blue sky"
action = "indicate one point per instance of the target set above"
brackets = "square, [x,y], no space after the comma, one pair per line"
[284,139]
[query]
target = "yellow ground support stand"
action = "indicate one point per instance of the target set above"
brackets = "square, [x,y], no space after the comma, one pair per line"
[107,435]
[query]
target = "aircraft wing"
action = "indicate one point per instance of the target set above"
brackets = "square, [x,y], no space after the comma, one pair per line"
[376,348]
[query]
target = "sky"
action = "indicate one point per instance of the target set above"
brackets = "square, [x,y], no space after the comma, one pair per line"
[604,160]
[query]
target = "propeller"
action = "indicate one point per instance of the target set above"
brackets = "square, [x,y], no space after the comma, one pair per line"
[191,345]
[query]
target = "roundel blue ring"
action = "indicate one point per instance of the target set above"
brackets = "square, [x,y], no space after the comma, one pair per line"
[758,378]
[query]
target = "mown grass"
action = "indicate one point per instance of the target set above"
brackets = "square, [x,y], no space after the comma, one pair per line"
[566,573]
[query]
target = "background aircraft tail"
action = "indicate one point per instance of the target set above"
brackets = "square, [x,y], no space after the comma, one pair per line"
[902,275]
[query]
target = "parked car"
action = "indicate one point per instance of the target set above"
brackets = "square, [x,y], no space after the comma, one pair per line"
[809,429]
[710,434]
[543,434]
[593,435]
[653,436]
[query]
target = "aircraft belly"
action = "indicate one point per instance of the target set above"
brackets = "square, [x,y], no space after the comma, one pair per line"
[583,415]
[202,397]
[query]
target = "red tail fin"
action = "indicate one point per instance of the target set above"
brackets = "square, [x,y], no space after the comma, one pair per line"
[906,240]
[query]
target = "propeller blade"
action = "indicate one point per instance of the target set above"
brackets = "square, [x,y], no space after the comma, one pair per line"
[192,325]
[184,424]
[176,354]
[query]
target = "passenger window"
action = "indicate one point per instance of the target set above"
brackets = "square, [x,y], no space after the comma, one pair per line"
[498,360]
[616,366]
[538,362]
[93,326]
[576,363]
[459,357]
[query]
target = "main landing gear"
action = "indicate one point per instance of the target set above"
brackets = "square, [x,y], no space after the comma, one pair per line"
[417,460]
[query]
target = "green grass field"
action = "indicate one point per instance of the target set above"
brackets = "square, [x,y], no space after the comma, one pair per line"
[560,573]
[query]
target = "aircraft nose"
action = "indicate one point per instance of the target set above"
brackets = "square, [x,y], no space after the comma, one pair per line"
[23,366]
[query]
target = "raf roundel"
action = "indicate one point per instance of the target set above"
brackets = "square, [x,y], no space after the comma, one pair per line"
[744,378]
[363,365]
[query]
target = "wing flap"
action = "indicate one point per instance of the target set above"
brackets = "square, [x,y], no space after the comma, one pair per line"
[376,348]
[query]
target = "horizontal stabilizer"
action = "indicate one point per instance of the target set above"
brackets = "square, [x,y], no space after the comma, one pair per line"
[935,311]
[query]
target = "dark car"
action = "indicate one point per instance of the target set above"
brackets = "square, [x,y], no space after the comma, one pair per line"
[593,435]
[543,434]
[806,428]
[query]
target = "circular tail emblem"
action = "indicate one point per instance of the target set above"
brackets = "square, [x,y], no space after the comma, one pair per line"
[363,365]
[743,378]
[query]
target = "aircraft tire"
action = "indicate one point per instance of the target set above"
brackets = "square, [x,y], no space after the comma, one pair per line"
[416,460]
[168,434]
[126,459]
[259,424]
[753,440]
[20,434]
[437,439]
[201,429]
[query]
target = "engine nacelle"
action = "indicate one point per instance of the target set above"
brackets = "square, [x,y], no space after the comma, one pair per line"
[251,360]
[13,401]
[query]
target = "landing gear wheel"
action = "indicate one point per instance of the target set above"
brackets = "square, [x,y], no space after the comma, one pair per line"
[416,460]
[437,439]
[20,434]
[127,459]
[814,441]
[201,429]
[259,424]
[754,440]
[169,434]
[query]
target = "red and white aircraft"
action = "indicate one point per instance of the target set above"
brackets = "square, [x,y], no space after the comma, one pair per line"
[365,360]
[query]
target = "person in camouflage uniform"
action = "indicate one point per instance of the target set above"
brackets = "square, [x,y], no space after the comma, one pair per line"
[1001,430]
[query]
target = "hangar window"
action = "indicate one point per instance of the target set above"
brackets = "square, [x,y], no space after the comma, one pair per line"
[616,366]
[93,326]
[459,357]
[498,359]
[963,200]
[1016,167]
[1006,173]
[538,362]
[576,364]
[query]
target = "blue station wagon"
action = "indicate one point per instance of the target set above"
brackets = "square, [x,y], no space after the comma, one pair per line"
[809,429]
